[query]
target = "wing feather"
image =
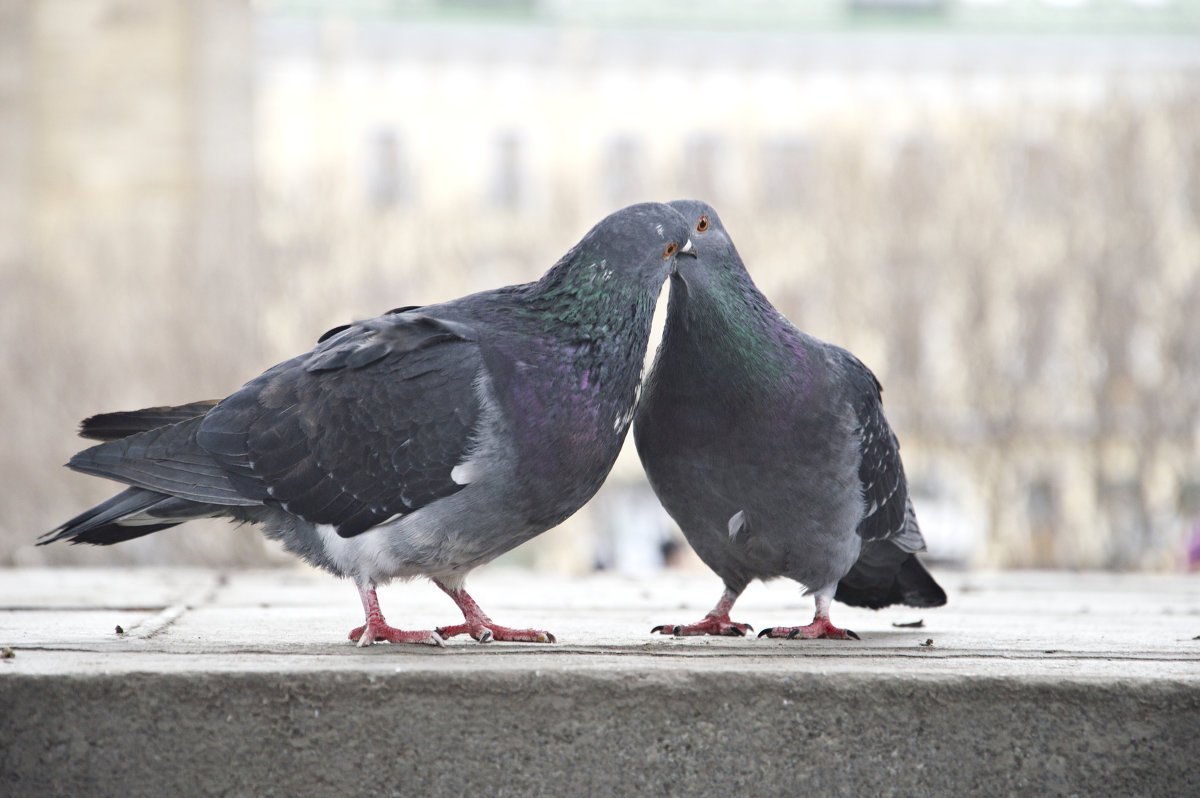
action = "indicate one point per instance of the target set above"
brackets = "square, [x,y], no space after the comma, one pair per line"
[880,471]
[367,426]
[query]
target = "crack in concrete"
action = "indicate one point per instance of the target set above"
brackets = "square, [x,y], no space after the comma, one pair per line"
[161,621]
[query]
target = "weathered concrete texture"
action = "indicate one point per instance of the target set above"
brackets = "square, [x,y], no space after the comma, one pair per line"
[245,686]
[626,730]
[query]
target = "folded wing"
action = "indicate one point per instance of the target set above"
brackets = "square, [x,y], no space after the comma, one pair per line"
[366,426]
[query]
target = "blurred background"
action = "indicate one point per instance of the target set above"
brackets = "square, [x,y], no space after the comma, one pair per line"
[994,203]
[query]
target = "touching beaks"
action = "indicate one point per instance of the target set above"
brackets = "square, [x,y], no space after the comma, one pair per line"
[688,249]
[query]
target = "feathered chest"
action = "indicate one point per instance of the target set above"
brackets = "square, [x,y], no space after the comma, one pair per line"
[570,403]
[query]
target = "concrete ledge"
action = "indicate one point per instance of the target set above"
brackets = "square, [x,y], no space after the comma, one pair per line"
[242,685]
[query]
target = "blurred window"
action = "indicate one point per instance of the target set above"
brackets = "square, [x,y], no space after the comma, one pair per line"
[507,171]
[1042,504]
[388,180]
[700,178]
[916,179]
[624,171]
[1034,176]
[1189,498]
[1191,180]
[787,171]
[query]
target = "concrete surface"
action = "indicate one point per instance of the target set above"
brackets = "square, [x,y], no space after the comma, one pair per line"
[243,683]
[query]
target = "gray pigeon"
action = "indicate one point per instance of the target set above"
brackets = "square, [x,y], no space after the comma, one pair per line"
[770,450]
[424,442]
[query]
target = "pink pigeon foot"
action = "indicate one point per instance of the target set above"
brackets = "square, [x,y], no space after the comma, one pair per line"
[481,627]
[715,623]
[376,628]
[485,630]
[375,632]
[819,628]
[710,624]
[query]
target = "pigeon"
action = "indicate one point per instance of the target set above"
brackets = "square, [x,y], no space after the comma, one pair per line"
[770,450]
[423,442]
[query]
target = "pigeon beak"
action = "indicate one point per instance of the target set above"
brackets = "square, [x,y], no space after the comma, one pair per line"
[688,249]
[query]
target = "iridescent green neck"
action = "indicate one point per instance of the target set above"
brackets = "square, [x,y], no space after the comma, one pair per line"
[724,323]
[591,299]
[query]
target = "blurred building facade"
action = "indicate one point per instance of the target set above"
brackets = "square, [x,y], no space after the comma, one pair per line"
[128,229]
[996,205]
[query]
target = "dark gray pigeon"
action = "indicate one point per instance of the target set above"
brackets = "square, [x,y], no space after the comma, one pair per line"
[770,450]
[424,442]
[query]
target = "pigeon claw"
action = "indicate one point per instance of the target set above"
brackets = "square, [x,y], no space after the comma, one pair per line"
[490,632]
[708,625]
[820,628]
[369,634]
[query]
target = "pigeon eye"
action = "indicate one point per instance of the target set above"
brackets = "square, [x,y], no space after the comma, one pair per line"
[669,251]
[702,225]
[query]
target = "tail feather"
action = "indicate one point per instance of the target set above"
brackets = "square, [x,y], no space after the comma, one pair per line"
[114,426]
[173,479]
[130,514]
[167,460]
[885,574]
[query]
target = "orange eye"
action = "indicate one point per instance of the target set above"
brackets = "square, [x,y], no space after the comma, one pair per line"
[669,251]
[702,225]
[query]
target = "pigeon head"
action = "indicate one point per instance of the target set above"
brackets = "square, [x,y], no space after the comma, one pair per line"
[714,289]
[717,259]
[636,246]
[611,279]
